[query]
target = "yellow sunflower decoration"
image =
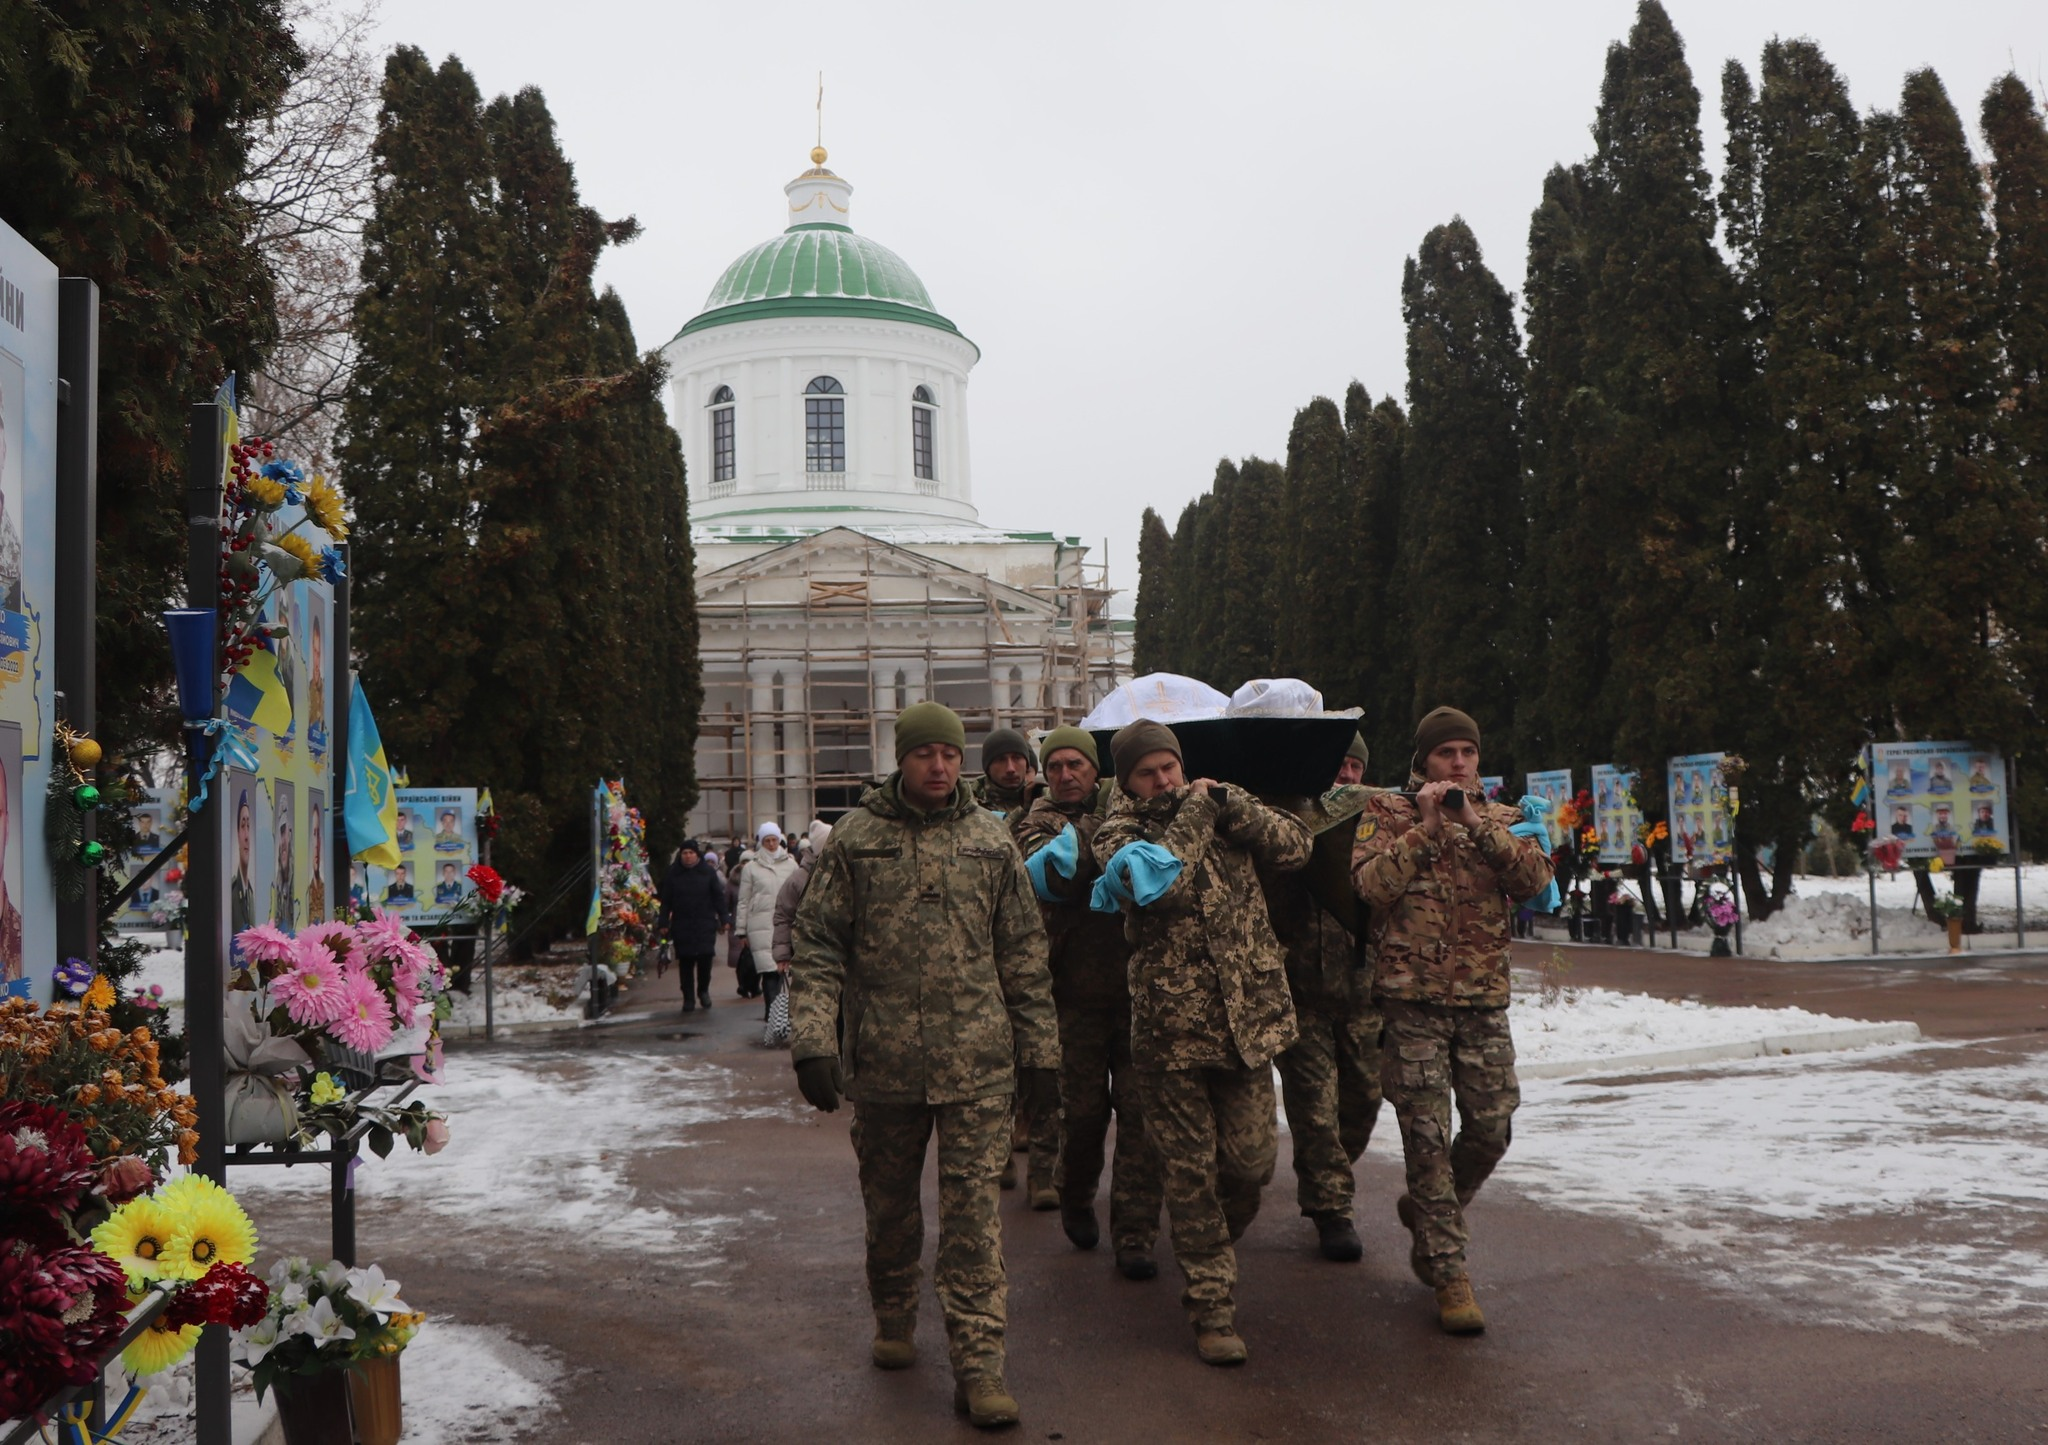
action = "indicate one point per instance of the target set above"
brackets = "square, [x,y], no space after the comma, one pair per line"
[135,1237]
[101,994]
[267,492]
[323,505]
[300,550]
[210,1228]
[159,1347]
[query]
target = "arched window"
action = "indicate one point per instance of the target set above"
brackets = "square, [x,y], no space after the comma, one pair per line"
[721,435]
[924,435]
[825,425]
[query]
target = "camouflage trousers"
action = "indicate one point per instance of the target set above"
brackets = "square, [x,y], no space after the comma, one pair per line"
[1434,1052]
[974,1138]
[1096,1080]
[1217,1142]
[1330,1083]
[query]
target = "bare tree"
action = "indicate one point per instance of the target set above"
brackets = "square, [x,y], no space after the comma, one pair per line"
[310,186]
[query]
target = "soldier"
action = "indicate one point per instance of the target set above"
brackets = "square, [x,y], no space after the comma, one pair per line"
[1209,1004]
[1442,882]
[919,930]
[1008,767]
[1091,986]
[1330,1079]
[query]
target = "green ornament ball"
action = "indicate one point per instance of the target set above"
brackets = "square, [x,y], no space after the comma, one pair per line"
[85,796]
[92,853]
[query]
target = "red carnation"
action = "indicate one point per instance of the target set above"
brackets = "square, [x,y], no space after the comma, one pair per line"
[487,882]
[227,1294]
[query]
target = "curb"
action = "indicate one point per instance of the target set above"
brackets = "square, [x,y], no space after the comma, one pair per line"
[1826,1041]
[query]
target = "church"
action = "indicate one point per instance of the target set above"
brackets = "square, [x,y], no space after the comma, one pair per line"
[843,571]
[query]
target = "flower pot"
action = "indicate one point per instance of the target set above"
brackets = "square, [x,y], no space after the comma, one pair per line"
[1720,948]
[1955,935]
[314,1409]
[374,1399]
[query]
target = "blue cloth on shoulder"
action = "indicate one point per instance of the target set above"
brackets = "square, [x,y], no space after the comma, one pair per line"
[1062,855]
[1536,824]
[1138,873]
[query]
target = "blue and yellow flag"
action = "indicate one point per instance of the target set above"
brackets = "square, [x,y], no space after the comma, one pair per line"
[257,693]
[371,805]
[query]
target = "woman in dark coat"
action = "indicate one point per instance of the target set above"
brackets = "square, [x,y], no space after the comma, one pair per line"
[694,908]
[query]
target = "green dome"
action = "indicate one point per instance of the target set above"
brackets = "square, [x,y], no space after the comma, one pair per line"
[818,270]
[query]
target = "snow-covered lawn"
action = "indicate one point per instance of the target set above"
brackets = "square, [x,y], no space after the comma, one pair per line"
[1589,1024]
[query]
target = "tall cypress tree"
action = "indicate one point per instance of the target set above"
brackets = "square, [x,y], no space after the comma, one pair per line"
[1315,638]
[1463,470]
[124,136]
[1189,594]
[1151,642]
[1387,689]
[1247,592]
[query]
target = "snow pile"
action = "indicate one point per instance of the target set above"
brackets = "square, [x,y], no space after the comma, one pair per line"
[1836,918]
[514,1000]
[474,1385]
[1598,1023]
[1753,1172]
[542,1144]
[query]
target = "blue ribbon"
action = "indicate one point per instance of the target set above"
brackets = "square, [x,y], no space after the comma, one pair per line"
[1138,874]
[236,748]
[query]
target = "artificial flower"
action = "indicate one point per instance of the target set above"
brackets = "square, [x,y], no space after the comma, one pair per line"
[324,506]
[100,994]
[315,993]
[325,1090]
[436,1136]
[374,1292]
[267,492]
[74,976]
[123,1177]
[60,1309]
[258,1340]
[366,1022]
[210,1228]
[299,558]
[488,882]
[322,1323]
[159,1347]
[227,1294]
[265,943]
[1934,865]
[332,568]
[45,1163]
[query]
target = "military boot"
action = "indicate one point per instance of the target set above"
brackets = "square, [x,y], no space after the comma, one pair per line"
[1456,1310]
[986,1404]
[1009,1179]
[1080,1224]
[1044,1196]
[1221,1345]
[1337,1239]
[893,1349]
[1136,1264]
[1410,1220]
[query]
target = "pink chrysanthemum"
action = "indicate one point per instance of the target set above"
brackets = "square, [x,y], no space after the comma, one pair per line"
[405,992]
[265,943]
[384,938]
[337,940]
[316,992]
[365,1022]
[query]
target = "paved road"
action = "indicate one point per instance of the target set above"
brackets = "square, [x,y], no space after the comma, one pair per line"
[1598,1330]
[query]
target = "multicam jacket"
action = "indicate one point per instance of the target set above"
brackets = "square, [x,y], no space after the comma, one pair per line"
[1009,804]
[1090,956]
[1442,908]
[920,932]
[1207,980]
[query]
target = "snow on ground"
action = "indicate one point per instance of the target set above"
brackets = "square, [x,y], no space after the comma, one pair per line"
[1895,890]
[1597,1023]
[513,1001]
[541,1144]
[474,1385]
[1867,1192]
[1814,918]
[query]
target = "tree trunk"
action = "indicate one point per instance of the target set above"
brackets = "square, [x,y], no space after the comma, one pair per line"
[1966,881]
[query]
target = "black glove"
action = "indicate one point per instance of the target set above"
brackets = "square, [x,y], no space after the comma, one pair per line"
[819,1080]
[1041,1092]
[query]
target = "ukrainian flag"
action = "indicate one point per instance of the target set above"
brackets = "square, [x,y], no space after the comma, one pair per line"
[257,693]
[371,806]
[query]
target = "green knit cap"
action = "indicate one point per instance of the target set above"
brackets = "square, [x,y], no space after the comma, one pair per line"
[1358,749]
[1001,743]
[1079,739]
[1136,741]
[928,722]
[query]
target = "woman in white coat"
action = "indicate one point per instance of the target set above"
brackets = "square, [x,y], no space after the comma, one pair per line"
[755,911]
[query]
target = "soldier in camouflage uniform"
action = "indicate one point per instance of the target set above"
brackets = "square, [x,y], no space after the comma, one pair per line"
[1209,1004]
[919,986]
[1091,985]
[1442,884]
[1330,1079]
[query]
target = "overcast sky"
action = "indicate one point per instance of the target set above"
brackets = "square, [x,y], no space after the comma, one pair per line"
[1167,226]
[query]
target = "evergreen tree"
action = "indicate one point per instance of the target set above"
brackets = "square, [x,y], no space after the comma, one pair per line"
[1463,472]
[1248,595]
[1186,589]
[124,137]
[1314,635]
[1563,630]
[1152,642]
[1654,444]
[1386,687]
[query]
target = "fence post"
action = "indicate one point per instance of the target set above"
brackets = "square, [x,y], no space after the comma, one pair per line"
[78,396]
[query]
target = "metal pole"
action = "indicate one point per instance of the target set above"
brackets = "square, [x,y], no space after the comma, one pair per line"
[206,919]
[341,1197]
[78,397]
[2012,829]
[1870,860]
[340,666]
[490,937]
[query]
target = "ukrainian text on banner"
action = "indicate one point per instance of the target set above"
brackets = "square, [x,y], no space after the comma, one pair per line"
[1555,788]
[28,581]
[1940,798]
[437,846]
[1701,809]
[1615,814]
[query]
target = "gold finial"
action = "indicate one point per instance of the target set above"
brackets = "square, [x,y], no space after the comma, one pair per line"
[817,155]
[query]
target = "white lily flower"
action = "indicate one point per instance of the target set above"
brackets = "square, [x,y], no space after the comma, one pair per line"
[333,1277]
[252,1344]
[324,1325]
[374,1291]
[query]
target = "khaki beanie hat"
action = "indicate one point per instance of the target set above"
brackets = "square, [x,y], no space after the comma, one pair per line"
[1001,743]
[928,722]
[1442,725]
[1135,740]
[1358,750]
[1079,739]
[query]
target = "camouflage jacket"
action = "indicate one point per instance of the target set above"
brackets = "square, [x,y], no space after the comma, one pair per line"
[1442,910]
[1009,804]
[1090,956]
[1326,967]
[920,955]
[1207,979]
